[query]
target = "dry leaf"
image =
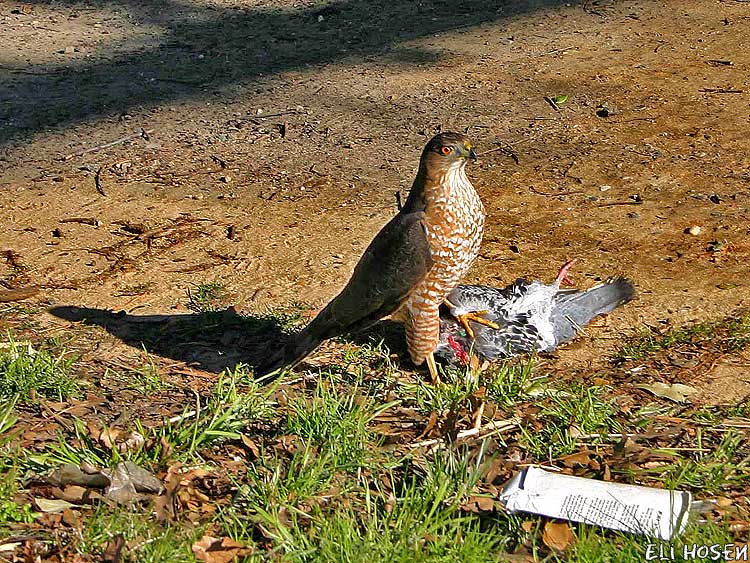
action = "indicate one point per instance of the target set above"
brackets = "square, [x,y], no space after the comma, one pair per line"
[71,518]
[69,474]
[52,505]
[252,447]
[113,552]
[676,392]
[558,535]
[578,459]
[218,550]
[479,504]
[72,493]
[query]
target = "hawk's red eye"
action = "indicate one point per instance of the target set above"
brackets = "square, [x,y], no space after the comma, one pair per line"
[446,151]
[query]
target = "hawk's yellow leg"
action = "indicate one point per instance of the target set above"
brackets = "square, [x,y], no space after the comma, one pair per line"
[432,366]
[474,316]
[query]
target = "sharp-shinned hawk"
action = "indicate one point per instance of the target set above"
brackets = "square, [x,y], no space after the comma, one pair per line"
[412,263]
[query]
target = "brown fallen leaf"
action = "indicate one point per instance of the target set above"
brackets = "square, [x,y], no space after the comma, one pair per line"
[578,459]
[479,504]
[72,493]
[218,550]
[113,552]
[558,535]
[52,505]
[71,518]
[251,446]
[676,392]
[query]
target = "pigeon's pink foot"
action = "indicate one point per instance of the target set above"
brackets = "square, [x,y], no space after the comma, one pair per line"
[562,276]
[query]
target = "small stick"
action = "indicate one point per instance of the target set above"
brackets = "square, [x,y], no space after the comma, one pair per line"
[493,426]
[277,114]
[552,102]
[721,91]
[98,181]
[507,150]
[142,133]
[550,194]
[553,51]
[620,203]
[83,220]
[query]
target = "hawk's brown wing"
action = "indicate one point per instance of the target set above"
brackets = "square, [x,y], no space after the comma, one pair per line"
[396,260]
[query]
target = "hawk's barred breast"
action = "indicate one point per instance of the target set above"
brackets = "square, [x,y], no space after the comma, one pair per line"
[454,223]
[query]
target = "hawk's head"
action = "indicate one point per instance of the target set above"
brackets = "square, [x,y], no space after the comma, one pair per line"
[447,150]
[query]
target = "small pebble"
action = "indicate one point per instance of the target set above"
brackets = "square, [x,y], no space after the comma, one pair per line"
[695,230]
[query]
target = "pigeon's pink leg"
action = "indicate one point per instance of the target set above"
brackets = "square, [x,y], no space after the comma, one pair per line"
[562,276]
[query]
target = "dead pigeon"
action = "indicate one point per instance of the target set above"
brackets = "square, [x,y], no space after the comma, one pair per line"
[531,316]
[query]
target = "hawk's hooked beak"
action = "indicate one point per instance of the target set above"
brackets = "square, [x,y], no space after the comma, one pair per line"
[467,151]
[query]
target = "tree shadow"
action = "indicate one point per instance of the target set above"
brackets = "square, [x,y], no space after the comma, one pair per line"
[204,49]
[211,341]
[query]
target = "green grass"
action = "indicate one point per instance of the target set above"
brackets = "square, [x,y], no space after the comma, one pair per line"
[207,297]
[710,471]
[391,516]
[335,419]
[235,402]
[564,416]
[29,373]
[147,379]
[306,476]
[10,511]
[147,541]
[728,335]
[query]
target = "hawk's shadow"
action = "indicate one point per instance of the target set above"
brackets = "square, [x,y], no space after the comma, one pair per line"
[211,341]
[216,340]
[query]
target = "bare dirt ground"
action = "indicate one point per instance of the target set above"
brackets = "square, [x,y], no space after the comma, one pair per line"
[268,140]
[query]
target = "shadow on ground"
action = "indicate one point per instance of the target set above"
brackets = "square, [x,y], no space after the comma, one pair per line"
[211,341]
[217,340]
[204,48]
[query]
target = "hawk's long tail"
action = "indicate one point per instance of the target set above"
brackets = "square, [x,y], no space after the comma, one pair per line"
[575,309]
[302,344]
[326,325]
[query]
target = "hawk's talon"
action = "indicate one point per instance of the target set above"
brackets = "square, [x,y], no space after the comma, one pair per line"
[474,316]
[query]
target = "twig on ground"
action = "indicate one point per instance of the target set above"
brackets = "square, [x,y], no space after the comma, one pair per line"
[721,91]
[553,51]
[552,194]
[490,428]
[83,220]
[98,181]
[142,133]
[620,203]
